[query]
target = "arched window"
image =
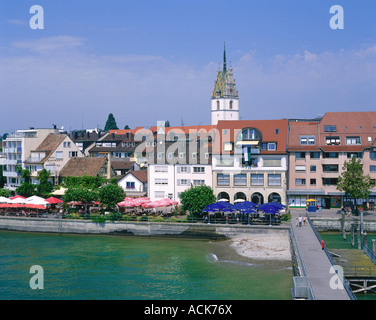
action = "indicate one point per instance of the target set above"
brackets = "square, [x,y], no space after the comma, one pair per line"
[231,105]
[248,134]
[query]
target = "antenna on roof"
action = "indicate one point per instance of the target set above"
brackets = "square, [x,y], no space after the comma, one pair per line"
[224,59]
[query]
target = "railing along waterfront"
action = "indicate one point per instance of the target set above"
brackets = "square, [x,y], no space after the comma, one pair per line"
[345,285]
[302,287]
[369,253]
[146,218]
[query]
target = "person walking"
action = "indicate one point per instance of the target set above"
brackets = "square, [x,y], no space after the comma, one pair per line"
[300,221]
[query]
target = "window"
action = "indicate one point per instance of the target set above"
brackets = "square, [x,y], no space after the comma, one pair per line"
[330,168]
[314,155]
[223,179]
[271,162]
[161,181]
[59,155]
[227,146]
[198,169]
[353,140]
[159,194]
[73,154]
[272,146]
[240,179]
[313,168]
[217,104]
[372,155]
[231,104]
[312,182]
[329,181]
[257,179]
[300,155]
[372,168]
[277,131]
[130,185]
[274,179]
[331,155]
[333,140]
[307,140]
[300,182]
[184,169]
[330,128]
[184,182]
[250,134]
[198,182]
[161,169]
[356,154]
[300,168]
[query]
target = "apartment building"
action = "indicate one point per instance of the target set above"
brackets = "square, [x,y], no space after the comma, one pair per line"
[52,154]
[176,167]
[250,161]
[318,150]
[16,148]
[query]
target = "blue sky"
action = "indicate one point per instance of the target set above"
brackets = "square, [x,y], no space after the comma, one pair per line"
[151,60]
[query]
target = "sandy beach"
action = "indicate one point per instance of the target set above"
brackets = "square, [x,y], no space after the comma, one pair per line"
[262,246]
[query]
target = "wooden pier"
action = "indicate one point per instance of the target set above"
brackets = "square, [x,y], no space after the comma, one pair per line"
[359,270]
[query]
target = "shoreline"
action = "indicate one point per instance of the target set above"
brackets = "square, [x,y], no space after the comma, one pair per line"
[262,246]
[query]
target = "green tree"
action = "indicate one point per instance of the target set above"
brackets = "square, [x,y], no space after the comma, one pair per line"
[110,123]
[3,179]
[44,187]
[353,181]
[80,194]
[195,199]
[5,193]
[26,189]
[111,194]
[126,127]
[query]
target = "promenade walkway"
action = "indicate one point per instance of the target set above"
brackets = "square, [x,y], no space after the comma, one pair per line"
[316,261]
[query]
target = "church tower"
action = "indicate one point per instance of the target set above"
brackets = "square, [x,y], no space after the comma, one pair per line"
[225,98]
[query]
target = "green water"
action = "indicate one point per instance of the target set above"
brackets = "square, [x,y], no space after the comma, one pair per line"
[110,267]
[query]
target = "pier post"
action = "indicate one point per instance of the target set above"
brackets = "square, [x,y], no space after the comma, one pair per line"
[352,235]
[374,246]
[359,242]
[365,242]
[343,226]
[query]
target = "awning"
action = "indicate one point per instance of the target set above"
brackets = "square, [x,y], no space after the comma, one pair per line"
[247,143]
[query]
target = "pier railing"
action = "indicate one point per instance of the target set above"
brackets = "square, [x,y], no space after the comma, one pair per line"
[328,254]
[302,287]
[369,253]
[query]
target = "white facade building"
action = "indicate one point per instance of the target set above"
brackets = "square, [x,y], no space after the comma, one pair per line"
[17,148]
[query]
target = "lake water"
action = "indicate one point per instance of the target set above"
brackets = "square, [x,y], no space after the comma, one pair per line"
[129,268]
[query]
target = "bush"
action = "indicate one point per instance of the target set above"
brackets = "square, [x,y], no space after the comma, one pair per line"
[98,219]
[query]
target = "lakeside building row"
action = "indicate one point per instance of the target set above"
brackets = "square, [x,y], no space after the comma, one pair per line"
[286,160]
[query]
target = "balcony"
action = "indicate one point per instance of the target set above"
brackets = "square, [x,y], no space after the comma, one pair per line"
[10,174]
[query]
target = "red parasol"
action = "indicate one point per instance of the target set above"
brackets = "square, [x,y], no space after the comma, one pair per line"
[53,200]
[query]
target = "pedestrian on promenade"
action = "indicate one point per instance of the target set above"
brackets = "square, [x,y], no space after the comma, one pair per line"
[297,222]
[305,221]
[300,221]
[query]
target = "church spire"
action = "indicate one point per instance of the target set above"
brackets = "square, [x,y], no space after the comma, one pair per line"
[224,59]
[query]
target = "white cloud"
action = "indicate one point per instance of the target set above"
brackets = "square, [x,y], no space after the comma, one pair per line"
[49,45]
